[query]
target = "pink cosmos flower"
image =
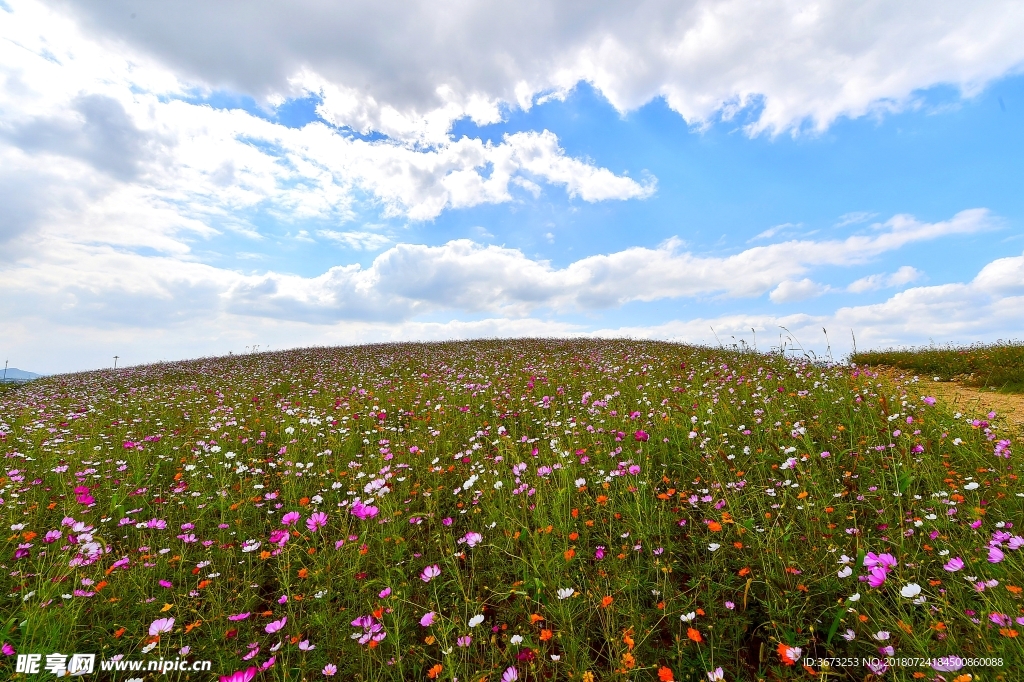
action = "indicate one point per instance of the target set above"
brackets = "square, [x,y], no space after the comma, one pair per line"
[316,520]
[276,625]
[599,553]
[363,512]
[954,564]
[430,572]
[464,641]
[641,436]
[279,537]
[166,583]
[510,675]
[427,620]
[290,518]
[7,649]
[330,670]
[995,555]
[385,593]
[239,616]
[876,577]
[161,625]
[472,538]
[240,675]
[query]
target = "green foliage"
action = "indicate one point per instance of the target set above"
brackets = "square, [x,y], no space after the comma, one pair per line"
[611,509]
[999,365]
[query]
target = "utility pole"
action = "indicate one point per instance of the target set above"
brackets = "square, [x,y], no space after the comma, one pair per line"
[5,370]
[115,361]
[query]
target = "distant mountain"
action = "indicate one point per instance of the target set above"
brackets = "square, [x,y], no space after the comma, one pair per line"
[15,374]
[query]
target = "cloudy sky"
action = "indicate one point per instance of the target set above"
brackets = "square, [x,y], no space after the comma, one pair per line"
[193,178]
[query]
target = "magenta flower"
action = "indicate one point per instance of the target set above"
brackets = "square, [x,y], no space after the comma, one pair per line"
[239,616]
[330,670]
[363,512]
[290,518]
[276,625]
[161,625]
[641,436]
[510,675]
[166,583]
[599,553]
[995,555]
[464,641]
[316,520]
[427,620]
[240,675]
[876,576]
[954,564]
[52,536]
[385,593]
[472,538]
[430,572]
[279,537]
[7,649]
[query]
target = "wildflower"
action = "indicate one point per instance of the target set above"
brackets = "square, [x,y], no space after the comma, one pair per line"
[876,577]
[995,555]
[430,572]
[789,654]
[435,671]
[276,625]
[713,546]
[694,635]
[7,649]
[239,616]
[472,539]
[910,590]
[665,674]
[427,620]
[464,641]
[330,670]
[385,593]
[516,639]
[476,620]
[606,601]
[716,675]
[954,564]
[362,511]
[240,675]
[510,675]
[565,592]
[160,625]
[304,645]
[316,521]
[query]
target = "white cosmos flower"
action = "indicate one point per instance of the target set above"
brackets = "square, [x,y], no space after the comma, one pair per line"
[476,620]
[846,572]
[854,597]
[516,639]
[910,590]
[687,617]
[565,592]
[713,546]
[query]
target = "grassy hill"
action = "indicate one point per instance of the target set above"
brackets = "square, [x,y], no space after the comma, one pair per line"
[998,366]
[500,510]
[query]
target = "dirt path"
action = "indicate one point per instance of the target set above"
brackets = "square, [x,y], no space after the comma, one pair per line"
[969,400]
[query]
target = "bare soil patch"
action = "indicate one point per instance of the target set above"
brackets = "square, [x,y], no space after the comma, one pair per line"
[966,399]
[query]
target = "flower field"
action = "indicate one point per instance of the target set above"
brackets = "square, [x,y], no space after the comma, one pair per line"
[510,510]
[999,366]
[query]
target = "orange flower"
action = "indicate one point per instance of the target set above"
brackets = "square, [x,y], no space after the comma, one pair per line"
[303,502]
[101,584]
[435,671]
[569,554]
[1008,632]
[601,499]
[545,635]
[787,653]
[120,631]
[738,545]
[745,571]
[606,601]
[694,634]
[204,583]
[714,526]
[535,618]
[303,572]
[574,536]
[665,674]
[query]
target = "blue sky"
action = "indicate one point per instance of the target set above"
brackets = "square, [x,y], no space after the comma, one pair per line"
[169,198]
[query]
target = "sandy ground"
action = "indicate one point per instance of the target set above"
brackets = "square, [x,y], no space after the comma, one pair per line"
[971,400]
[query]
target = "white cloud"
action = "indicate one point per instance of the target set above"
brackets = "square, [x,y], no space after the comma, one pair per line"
[410,68]
[789,291]
[905,275]
[356,239]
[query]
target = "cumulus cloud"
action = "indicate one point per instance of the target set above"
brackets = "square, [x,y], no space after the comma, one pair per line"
[410,68]
[790,291]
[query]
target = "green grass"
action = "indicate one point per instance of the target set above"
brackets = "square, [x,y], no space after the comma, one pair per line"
[608,510]
[999,366]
